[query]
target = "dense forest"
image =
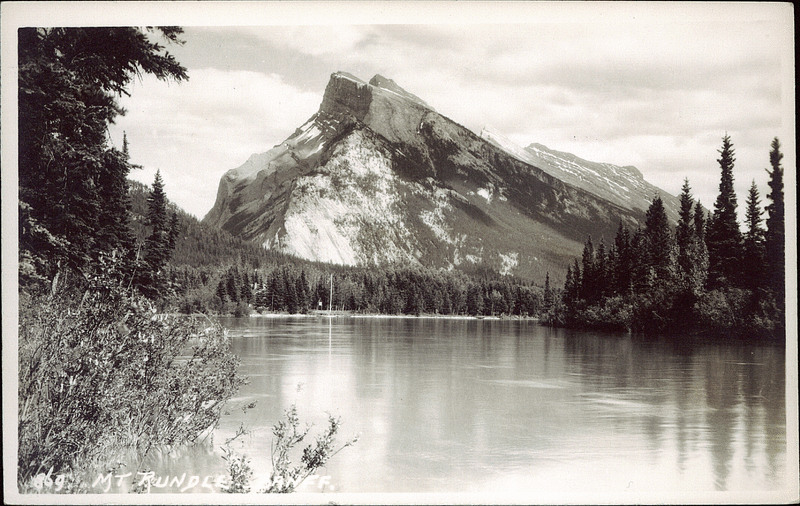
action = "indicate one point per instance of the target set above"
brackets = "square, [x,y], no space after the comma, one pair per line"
[703,275]
[211,271]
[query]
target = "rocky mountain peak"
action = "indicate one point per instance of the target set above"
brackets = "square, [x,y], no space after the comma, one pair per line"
[389,85]
[346,93]
[377,177]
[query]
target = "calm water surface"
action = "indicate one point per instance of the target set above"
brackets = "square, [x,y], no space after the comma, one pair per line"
[510,406]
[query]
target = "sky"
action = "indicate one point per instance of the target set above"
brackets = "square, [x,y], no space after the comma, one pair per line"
[654,85]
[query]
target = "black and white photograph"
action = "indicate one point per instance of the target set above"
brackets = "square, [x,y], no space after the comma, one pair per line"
[399,252]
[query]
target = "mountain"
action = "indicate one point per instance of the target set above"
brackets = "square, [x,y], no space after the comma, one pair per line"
[377,176]
[623,186]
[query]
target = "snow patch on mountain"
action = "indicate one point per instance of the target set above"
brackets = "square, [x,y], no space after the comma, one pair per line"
[623,186]
[495,137]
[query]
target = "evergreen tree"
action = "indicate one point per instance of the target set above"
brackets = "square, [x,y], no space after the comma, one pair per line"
[158,246]
[640,263]
[474,299]
[753,266]
[774,244]
[568,294]
[577,280]
[158,241]
[72,183]
[699,222]
[724,239]
[623,261]
[658,240]
[548,292]
[174,231]
[685,230]
[589,274]
[125,146]
[601,270]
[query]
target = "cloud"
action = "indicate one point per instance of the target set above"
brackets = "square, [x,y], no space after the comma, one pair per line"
[655,87]
[195,131]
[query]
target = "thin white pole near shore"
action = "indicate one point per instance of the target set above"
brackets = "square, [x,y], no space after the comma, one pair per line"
[330,324]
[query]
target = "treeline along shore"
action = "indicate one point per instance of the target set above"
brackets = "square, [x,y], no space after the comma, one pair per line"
[701,276]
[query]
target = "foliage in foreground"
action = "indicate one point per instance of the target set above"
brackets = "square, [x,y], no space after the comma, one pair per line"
[101,375]
[286,477]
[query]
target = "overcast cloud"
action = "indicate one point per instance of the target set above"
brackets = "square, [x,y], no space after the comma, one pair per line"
[652,87]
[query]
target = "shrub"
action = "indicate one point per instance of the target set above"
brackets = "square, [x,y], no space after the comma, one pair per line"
[101,375]
[285,477]
[722,311]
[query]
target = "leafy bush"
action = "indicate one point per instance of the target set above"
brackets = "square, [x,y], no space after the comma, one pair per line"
[612,313]
[285,477]
[101,376]
[239,472]
[722,310]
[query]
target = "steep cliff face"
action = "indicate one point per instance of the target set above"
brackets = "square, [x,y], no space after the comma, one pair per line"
[376,176]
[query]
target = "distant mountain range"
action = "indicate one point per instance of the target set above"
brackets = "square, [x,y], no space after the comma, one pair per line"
[377,176]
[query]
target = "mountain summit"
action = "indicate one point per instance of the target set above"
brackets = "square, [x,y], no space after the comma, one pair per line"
[377,176]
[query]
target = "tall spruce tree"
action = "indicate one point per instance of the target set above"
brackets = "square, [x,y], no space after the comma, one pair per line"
[754,268]
[601,283]
[700,222]
[125,152]
[774,243]
[685,230]
[72,183]
[548,292]
[623,261]
[724,239]
[589,273]
[158,246]
[658,240]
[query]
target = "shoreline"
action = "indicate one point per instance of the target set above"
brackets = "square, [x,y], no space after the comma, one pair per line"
[324,314]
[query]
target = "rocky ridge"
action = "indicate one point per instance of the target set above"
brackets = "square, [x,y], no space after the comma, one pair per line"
[377,176]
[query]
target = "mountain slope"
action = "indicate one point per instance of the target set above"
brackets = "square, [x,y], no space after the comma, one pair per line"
[623,186]
[376,176]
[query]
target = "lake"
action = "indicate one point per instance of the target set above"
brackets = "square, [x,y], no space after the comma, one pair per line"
[511,407]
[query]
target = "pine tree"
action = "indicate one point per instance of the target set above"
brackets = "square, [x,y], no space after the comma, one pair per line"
[658,240]
[685,230]
[572,286]
[754,265]
[72,183]
[601,271]
[158,246]
[588,278]
[774,244]
[174,231]
[700,222]
[724,239]
[640,263]
[623,261]
[548,293]
[125,146]
[157,221]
